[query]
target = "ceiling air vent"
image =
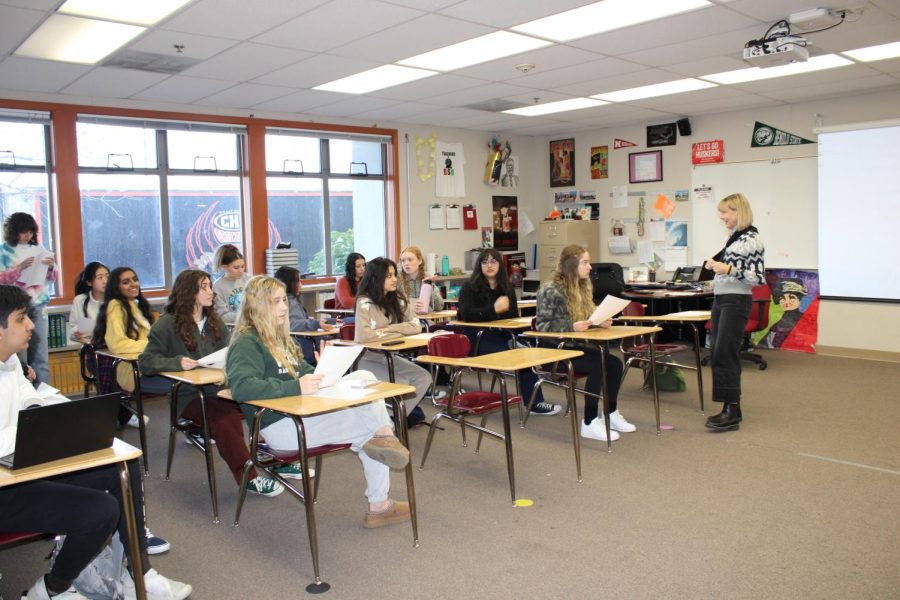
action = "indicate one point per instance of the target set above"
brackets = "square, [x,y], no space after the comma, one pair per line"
[149,61]
[496,105]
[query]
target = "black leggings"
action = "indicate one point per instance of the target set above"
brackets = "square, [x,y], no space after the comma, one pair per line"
[590,364]
[83,506]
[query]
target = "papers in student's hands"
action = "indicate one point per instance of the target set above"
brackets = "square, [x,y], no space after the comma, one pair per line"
[36,274]
[606,309]
[334,361]
[216,360]
[50,395]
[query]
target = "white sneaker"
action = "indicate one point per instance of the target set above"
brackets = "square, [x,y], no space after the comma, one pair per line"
[133,422]
[157,586]
[39,592]
[597,431]
[618,422]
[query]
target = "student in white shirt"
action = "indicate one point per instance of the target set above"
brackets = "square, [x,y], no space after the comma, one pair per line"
[89,289]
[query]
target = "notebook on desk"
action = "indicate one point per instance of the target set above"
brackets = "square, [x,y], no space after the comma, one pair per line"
[46,433]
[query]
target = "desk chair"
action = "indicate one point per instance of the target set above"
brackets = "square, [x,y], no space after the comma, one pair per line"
[638,350]
[758,321]
[457,406]
[87,364]
[329,303]
[9,538]
[347,332]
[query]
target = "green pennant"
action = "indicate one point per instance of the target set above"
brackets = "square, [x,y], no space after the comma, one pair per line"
[764,135]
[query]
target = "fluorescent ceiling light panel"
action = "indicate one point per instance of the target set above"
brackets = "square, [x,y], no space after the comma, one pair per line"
[555,107]
[77,40]
[657,89]
[871,53]
[472,52]
[139,12]
[374,79]
[605,16]
[817,63]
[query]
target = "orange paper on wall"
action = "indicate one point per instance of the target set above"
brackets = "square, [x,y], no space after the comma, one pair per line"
[664,206]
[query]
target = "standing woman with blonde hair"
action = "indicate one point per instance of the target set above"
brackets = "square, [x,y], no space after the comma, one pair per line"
[739,266]
[566,304]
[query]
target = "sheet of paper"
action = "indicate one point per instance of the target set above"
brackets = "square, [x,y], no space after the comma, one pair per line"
[50,394]
[435,216]
[664,205]
[703,194]
[454,216]
[657,230]
[620,244]
[674,257]
[645,251]
[620,196]
[85,325]
[334,361]
[606,309]
[525,224]
[216,360]
[36,274]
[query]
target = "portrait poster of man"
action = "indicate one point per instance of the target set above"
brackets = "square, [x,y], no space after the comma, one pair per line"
[562,162]
[793,312]
[506,222]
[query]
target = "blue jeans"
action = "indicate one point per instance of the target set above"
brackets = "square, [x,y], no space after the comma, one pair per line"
[730,313]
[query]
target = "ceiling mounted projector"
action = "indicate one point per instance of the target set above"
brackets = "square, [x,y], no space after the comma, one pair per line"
[776,52]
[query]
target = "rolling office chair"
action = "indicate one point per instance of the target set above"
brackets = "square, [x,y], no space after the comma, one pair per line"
[607,278]
[758,321]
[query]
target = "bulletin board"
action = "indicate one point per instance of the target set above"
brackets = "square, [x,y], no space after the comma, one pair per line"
[783,196]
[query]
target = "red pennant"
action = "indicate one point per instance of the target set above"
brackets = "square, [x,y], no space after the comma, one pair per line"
[617,143]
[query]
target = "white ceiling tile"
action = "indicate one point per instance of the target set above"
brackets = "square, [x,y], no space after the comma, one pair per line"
[506,13]
[414,37]
[623,81]
[429,87]
[729,44]
[708,66]
[38,75]
[770,11]
[318,30]
[315,70]
[889,6]
[846,73]
[245,62]
[855,35]
[109,82]
[398,112]
[353,106]
[556,79]
[184,90]
[677,102]
[237,19]
[35,4]
[832,88]
[545,60]
[16,24]
[474,95]
[161,41]
[300,101]
[726,104]
[424,4]
[245,95]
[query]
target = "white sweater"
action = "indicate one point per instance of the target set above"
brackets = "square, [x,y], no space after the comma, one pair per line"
[16,393]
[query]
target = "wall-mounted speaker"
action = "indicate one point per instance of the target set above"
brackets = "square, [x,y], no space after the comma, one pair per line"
[684,126]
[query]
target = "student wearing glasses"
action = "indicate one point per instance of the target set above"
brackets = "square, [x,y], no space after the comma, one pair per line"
[488,295]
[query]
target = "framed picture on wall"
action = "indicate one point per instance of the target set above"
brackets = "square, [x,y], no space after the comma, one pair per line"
[662,135]
[645,166]
[562,163]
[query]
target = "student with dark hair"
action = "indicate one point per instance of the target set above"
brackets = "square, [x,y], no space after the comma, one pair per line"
[189,330]
[299,318]
[90,286]
[347,286]
[20,234]
[382,313]
[488,295]
[86,506]
[229,289]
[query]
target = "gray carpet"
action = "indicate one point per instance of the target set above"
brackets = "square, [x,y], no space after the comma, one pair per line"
[802,502]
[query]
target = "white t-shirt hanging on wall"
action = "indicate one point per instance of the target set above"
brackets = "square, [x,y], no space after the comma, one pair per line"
[450,176]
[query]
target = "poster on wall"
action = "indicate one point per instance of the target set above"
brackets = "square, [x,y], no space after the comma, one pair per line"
[793,312]
[562,162]
[599,162]
[506,222]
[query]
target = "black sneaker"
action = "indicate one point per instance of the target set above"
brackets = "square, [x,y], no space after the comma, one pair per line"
[545,409]
[415,417]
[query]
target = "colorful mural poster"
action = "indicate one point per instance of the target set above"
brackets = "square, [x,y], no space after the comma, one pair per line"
[793,313]
[599,162]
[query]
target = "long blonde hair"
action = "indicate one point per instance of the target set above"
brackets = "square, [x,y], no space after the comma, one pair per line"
[405,283]
[741,206]
[579,292]
[257,314]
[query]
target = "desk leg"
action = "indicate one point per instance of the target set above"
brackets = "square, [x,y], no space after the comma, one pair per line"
[399,410]
[390,362]
[173,425]
[134,538]
[142,427]
[653,377]
[207,450]
[573,410]
[697,364]
[604,350]
[309,503]
[507,435]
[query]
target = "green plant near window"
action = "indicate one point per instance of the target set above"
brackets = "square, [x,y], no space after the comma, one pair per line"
[341,247]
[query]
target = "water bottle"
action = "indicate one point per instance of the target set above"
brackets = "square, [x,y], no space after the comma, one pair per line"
[445,265]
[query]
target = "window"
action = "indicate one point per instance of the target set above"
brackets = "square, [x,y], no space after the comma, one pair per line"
[24,179]
[170,191]
[326,188]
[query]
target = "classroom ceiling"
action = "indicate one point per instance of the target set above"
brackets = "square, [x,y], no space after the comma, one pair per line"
[264,56]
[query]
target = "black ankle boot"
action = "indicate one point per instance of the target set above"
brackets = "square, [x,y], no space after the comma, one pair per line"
[727,420]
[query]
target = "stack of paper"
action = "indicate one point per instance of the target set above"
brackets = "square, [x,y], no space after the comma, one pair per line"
[283,257]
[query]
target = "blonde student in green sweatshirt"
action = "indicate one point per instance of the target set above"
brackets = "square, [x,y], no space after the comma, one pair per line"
[264,363]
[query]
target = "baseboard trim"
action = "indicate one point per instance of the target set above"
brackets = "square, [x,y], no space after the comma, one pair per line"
[881,355]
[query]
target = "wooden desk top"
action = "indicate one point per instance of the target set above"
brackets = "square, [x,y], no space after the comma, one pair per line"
[335,311]
[597,334]
[685,316]
[198,376]
[663,293]
[407,343]
[508,360]
[118,452]
[527,303]
[516,323]
[317,333]
[438,315]
[309,405]
[129,356]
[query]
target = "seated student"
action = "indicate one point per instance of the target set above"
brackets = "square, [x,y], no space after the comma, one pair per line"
[230,288]
[299,319]
[264,363]
[412,277]
[346,288]
[190,329]
[89,289]
[383,312]
[565,304]
[488,295]
[85,506]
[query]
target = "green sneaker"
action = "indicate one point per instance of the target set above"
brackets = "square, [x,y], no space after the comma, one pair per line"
[264,486]
[292,471]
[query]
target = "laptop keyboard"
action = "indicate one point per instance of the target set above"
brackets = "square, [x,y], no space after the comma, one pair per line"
[7,461]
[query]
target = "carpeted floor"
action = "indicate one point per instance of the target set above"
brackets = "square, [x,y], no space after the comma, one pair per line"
[802,502]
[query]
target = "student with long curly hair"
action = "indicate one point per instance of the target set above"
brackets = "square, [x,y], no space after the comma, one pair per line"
[264,363]
[566,304]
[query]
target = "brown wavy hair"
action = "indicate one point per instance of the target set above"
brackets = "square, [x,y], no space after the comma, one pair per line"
[579,292]
[181,304]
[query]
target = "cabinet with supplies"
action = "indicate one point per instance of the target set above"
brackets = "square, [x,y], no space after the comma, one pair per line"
[556,235]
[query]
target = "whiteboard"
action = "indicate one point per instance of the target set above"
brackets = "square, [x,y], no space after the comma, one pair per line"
[783,196]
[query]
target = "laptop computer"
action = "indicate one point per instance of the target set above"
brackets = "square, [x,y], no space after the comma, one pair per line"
[66,429]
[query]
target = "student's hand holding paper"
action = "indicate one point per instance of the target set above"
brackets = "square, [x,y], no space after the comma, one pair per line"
[606,324]
[606,309]
[49,260]
[188,363]
[25,264]
[581,325]
[309,384]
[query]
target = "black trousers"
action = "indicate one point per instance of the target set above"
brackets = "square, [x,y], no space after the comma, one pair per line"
[730,313]
[590,364]
[84,506]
